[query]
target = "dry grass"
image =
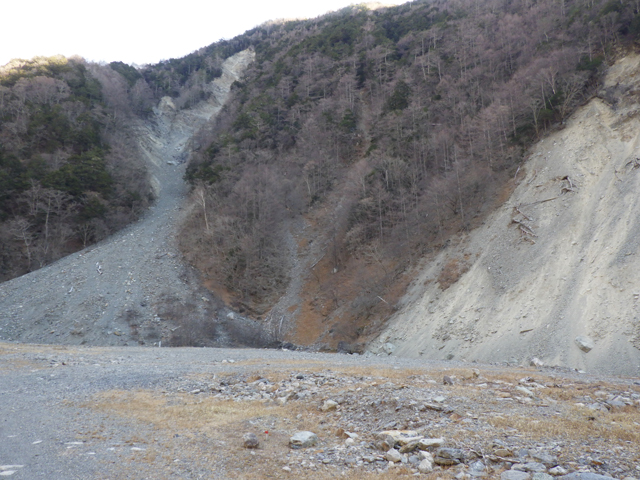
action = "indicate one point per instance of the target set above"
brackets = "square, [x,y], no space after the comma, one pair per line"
[182,411]
[579,424]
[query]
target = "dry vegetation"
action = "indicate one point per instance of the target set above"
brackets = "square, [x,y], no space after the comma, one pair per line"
[483,406]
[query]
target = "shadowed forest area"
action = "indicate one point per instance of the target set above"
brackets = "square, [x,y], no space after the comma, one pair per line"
[70,169]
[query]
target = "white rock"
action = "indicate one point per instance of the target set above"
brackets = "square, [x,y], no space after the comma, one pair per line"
[303,440]
[425,466]
[584,343]
[329,405]
[536,362]
[524,390]
[557,471]
[425,443]
[393,456]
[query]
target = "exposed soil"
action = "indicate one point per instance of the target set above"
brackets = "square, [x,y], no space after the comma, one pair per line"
[559,260]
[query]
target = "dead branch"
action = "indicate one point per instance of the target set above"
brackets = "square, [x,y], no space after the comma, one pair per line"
[524,228]
[319,260]
[570,188]
[540,201]
[517,209]
[568,179]
[615,172]
[635,163]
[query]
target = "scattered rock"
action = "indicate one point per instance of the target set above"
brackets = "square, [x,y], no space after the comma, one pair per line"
[585,476]
[557,471]
[514,475]
[541,476]
[250,440]
[329,405]
[303,440]
[584,343]
[449,456]
[425,466]
[425,443]
[536,362]
[388,348]
[393,455]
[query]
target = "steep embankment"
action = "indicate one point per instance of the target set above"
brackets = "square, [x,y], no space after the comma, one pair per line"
[126,288]
[559,260]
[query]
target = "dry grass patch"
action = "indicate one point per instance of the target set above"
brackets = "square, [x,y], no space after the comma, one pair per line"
[579,424]
[180,412]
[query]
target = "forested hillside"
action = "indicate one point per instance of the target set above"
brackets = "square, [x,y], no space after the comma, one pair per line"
[387,131]
[356,144]
[70,170]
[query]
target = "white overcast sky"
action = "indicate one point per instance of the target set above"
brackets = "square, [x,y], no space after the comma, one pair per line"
[138,31]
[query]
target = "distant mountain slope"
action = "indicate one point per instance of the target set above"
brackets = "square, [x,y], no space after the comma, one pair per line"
[133,287]
[560,260]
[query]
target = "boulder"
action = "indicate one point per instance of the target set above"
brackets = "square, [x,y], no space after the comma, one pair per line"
[250,440]
[425,466]
[425,443]
[393,455]
[303,440]
[449,456]
[584,343]
[329,405]
[514,475]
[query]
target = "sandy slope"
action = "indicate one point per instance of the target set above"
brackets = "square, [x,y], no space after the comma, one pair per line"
[528,296]
[117,292]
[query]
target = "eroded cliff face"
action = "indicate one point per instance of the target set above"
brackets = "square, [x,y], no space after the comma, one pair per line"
[559,260]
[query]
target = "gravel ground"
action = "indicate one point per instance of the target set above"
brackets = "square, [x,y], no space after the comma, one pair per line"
[110,412]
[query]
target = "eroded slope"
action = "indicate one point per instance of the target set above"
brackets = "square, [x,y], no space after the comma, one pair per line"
[558,261]
[131,286]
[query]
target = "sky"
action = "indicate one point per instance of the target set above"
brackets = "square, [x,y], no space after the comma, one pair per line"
[139,31]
